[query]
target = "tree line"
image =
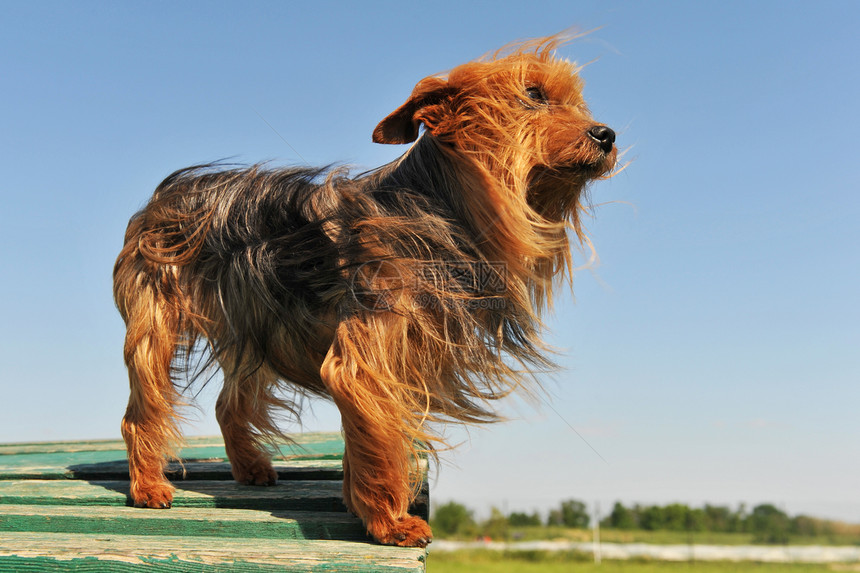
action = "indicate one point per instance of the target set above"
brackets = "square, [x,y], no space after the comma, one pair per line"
[766,523]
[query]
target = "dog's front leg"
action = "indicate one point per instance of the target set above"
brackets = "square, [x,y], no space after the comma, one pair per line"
[379,468]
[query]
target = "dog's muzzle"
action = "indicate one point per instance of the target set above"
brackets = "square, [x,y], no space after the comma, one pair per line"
[603,136]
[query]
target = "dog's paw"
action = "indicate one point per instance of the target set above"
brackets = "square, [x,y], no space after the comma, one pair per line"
[154,496]
[409,531]
[259,472]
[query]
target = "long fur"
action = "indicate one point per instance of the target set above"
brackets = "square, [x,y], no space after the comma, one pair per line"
[409,295]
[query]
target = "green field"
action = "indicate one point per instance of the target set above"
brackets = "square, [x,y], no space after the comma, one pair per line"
[847,535]
[500,562]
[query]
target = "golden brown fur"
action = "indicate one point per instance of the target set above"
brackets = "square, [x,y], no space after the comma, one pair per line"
[408,295]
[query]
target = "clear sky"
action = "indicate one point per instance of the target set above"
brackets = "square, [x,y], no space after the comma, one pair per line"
[712,356]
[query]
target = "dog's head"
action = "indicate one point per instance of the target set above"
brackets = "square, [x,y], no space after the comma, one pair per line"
[521,115]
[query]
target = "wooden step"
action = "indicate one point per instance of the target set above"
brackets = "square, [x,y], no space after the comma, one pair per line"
[64,506]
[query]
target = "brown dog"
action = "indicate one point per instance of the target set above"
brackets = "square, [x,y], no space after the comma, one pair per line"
[409,295]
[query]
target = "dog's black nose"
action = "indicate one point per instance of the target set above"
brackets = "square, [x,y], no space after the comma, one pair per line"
[604,137]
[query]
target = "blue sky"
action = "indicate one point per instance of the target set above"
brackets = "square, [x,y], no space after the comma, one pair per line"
[712,356]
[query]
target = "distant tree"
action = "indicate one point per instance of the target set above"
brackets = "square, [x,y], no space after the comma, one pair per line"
[517,519]
[554,518]
[808,526]
[768,524]
[718,518]
[451,519]
[497,526]
[620,518]
[574,514]
[651,518]
[675,517]
[696,520]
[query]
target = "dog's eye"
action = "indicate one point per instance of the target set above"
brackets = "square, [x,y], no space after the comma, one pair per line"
[536,94]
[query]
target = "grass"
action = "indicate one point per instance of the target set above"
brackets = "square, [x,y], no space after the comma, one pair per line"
[636,536]
[849,535]
[544,562]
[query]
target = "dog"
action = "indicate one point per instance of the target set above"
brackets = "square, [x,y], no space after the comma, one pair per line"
[410,295]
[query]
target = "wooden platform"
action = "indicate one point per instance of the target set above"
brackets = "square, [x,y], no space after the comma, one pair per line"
[64,507]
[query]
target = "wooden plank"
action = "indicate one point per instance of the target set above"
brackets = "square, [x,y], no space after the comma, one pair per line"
[93,446]
[106,459]
[199,522]
[320,469]
[292,469]
[64,507]
[297,495]
[63,454]
[302,495]
[317,442]
[48,447]
[78,552]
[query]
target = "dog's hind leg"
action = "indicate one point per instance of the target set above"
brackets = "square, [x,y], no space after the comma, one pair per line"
[378,466]
[150,423]
[243,405]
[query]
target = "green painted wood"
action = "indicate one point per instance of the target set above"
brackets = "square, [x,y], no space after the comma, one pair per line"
[63,506]
[117,469]
[299,495]
[302,495]
[317,442]
[200,521]
[79,552]
[49,447]
[106,459]
[54,460]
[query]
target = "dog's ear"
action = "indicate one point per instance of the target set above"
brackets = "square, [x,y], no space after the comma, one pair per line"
[423,106]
